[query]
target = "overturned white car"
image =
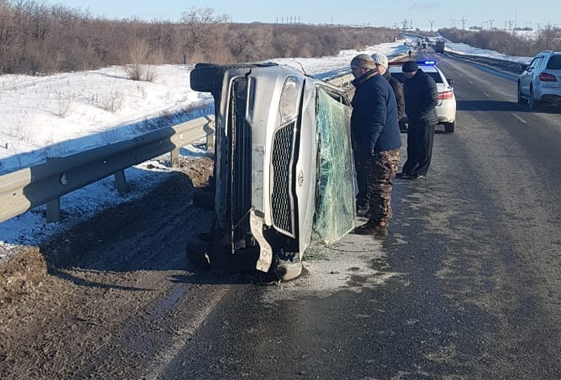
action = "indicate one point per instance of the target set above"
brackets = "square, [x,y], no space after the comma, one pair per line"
[283,167]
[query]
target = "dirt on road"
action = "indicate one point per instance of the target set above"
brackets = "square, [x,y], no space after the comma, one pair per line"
[88,303]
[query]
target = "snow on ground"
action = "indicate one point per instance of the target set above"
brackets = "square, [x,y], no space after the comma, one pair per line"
[62,114]
[468,50]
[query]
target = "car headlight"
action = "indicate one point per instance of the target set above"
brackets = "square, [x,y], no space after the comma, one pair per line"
[290,98]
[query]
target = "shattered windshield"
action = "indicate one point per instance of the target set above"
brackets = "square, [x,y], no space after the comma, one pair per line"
[335,210]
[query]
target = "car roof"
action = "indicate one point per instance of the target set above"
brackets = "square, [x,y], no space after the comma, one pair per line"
[426,68]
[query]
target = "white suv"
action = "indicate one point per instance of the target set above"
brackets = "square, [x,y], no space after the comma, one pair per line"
[540,82]
[446,107]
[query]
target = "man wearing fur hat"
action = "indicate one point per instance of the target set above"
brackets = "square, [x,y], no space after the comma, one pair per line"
[376,142]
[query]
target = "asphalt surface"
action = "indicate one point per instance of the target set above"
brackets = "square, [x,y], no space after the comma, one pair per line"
[465,286]
[469,275]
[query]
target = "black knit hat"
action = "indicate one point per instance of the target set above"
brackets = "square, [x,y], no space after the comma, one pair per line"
[409,67]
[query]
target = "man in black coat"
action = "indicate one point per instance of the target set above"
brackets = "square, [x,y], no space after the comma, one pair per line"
[421,98]
[376,141]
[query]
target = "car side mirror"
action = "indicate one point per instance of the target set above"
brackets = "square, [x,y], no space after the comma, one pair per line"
[450,81]
[523,68]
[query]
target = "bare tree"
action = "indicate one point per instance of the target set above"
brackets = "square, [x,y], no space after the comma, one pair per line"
[36,39]
[199,26]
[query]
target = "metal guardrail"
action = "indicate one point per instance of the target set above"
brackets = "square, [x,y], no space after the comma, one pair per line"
[25,189]
[510,66]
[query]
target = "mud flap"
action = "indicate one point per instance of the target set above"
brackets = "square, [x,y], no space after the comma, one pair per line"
[265,249]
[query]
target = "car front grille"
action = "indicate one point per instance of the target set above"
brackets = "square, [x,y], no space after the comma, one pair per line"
[282,202]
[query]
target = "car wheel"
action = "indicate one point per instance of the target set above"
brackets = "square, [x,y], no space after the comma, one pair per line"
[449,127]
[196,250]
[207,77]
[520,98]
[533,104]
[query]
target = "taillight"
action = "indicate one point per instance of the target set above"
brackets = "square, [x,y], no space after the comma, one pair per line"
[445,95]
[546,77]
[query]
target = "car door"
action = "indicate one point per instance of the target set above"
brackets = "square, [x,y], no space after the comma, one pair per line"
[526,76]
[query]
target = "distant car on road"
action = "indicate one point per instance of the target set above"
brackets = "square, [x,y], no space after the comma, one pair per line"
[540,82]
[439,46]
[446,108]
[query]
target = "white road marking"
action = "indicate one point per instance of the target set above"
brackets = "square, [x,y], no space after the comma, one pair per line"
[519,118]
[486,94]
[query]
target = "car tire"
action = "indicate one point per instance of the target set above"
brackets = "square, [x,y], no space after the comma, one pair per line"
[520,99]
[533,104]
[207,77]
[449,127]
[196,250]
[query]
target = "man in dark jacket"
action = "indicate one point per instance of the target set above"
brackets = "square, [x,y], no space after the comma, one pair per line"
[376,141]
[421,98]
[381,62]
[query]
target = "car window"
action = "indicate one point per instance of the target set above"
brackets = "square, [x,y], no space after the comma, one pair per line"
[335,205]
[554,62]
[535,63]
[436,76]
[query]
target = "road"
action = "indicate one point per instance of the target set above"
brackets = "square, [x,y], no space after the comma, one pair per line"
[466,285]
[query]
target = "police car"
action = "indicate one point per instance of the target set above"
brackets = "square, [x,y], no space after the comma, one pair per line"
[446,108]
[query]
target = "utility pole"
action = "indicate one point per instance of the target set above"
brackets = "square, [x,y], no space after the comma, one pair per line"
[515,15]
[491,24]
[463,22]
[431,22]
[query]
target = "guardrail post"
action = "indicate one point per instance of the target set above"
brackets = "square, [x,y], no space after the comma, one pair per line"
[53,210]
[210,142]
[121,182]
[175,158]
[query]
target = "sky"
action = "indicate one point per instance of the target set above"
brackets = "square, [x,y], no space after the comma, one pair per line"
[66,113]
[419,14]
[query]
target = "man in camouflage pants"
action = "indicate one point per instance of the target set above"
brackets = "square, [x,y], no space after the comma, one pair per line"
[376,140]
[380,172]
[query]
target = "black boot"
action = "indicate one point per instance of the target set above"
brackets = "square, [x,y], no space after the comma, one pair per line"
[373,228]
